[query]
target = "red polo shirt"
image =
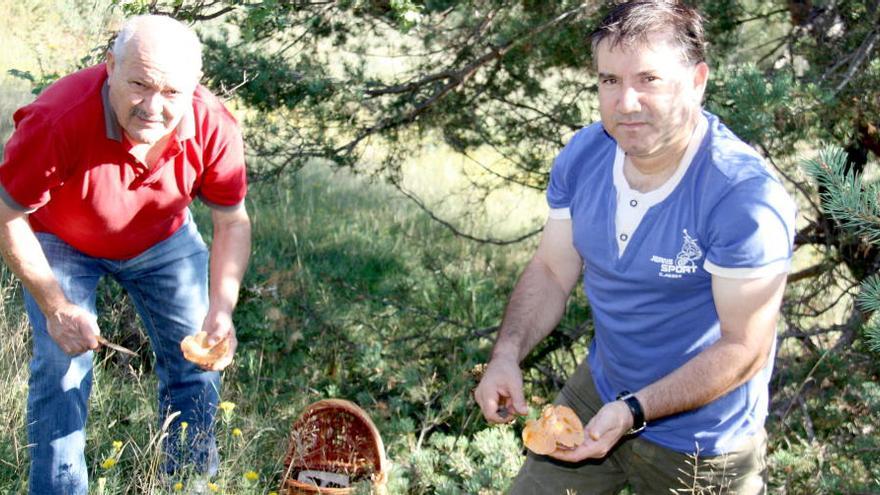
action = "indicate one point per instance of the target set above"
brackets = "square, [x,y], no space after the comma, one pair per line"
[68,165]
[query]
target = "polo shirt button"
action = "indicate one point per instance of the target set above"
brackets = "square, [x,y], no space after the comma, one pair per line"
[633,203]
[624,237]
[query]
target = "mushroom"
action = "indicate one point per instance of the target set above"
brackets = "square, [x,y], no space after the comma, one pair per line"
[557,427]
[195,349]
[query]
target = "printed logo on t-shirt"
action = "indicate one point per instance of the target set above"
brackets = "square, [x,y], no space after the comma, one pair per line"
[683,263]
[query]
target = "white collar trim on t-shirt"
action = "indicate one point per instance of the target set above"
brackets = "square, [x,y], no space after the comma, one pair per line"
[632,205]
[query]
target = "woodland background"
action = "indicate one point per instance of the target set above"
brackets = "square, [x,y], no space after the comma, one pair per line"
[398,152]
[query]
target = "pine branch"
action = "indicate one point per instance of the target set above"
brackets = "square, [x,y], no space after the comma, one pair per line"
[456,78]
[458,232]
[872,335]
[869,302]
[854,205]
[869,296]
[810,272]
[740,22]
[862,53]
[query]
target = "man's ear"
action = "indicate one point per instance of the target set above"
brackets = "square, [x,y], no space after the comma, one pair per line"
[701,77]
[111,63]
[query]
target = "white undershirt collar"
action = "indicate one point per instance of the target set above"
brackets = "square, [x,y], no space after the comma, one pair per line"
[632,205]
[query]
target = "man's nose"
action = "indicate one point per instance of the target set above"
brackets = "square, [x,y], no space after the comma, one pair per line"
[629,101]
[153,103]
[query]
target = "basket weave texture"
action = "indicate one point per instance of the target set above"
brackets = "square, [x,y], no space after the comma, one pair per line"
[336,436]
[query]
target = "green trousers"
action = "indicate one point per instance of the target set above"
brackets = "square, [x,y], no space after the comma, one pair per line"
[644,466]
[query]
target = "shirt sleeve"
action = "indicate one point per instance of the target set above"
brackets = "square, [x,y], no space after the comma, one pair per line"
[559,191]
[224,183]
[32,163]
[751,231]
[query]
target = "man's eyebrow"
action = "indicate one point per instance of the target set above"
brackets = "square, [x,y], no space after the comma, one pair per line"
[148,81]
[143,80]
[650,72]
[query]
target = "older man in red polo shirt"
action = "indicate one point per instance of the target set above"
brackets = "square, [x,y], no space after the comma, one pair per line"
[96,181]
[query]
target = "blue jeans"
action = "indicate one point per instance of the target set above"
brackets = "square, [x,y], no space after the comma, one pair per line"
[168,285]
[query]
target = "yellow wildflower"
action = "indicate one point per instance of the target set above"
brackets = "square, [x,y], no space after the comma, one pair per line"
[273,493]
[214,487]
[251,476]
[236,432]
[227,406]
[184,425]
[108,463]
[117,446]
[178,487]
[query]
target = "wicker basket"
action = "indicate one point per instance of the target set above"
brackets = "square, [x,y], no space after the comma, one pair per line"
[334,436]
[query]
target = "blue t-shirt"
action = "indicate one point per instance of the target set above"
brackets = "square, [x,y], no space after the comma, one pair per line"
[653,306]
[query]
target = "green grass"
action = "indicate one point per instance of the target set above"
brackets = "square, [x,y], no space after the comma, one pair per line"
[351,293]
[354,293]
[14,353]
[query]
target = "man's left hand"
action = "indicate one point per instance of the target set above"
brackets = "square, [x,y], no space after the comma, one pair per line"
[218,327]
[601,434]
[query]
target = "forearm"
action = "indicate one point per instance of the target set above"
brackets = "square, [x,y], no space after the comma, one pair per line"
[535,308]
[533,311]
[748,311]
[709,375]
[23,254]
[230,251]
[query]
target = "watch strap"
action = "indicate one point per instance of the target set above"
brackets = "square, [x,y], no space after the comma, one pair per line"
[635,407]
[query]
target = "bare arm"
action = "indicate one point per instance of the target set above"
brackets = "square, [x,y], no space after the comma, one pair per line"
[748,310]
[230,251]
[533,311]
[73,328]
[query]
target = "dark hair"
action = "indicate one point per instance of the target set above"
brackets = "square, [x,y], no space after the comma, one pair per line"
[633,22]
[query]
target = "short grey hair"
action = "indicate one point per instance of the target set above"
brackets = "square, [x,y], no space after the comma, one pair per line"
[188,42]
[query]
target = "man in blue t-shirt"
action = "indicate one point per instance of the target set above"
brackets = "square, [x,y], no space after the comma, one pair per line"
[684,239]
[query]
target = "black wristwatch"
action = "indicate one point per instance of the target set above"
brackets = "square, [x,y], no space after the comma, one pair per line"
[635,408]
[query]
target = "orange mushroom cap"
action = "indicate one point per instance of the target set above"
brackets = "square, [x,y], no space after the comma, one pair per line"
[557,426]
[196,350]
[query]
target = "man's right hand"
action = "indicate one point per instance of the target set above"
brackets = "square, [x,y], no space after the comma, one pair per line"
[73,329]
[70,326]
[501,389]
